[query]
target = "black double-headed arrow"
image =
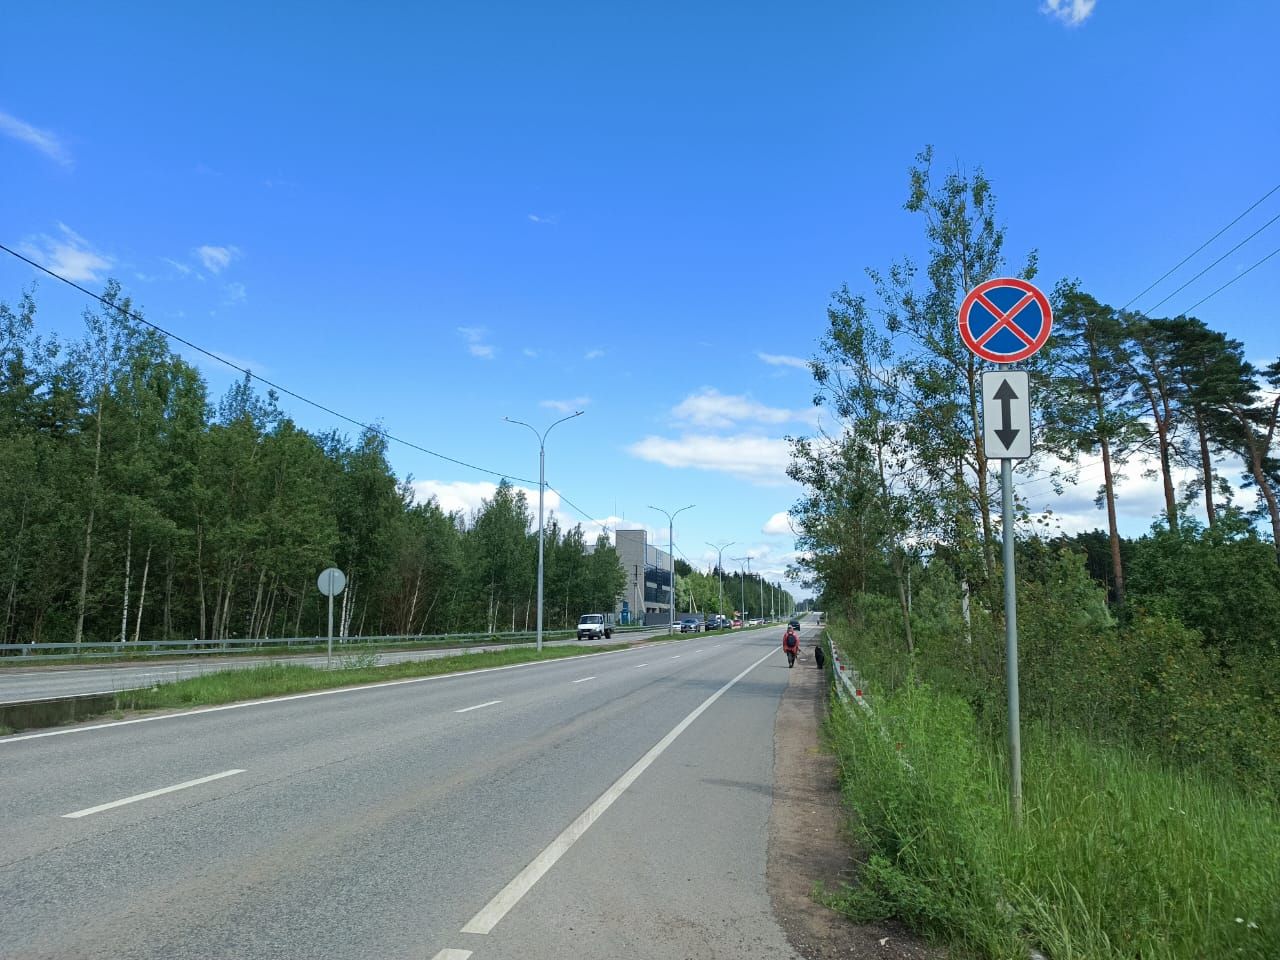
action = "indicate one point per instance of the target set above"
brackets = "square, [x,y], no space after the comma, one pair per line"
[1006,395]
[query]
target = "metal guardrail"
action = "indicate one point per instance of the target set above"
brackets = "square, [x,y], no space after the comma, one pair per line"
[849,682]
[101,649]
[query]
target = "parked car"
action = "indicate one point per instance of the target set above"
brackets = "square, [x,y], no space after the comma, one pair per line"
[690,625]
[737,622]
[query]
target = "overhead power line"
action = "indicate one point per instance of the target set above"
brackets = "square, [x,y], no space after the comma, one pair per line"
[1232,280]
[1180,263]
[138,318]
[1218,261]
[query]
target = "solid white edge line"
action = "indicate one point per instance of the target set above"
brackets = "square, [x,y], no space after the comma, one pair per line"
[63,731]
[149,794]
[497,908]
[452,954]
[582,680]
[487,703]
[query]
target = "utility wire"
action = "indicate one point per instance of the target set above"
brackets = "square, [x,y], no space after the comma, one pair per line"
[1216,262]
[138,318]
[574,506]
[1202,246]
[1232,280]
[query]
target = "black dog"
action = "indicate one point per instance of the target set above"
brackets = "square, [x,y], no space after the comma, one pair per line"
[819,657]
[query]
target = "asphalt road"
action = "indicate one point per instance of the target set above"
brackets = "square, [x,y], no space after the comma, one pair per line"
[18,684]
[613,805]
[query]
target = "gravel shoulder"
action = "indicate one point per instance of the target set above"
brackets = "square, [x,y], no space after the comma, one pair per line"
[809,840]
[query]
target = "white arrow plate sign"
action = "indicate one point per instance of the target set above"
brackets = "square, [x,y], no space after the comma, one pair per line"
[1006,414]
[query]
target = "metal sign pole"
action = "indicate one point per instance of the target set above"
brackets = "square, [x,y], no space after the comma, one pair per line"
[328,660]
[1011,643]
[1005,320]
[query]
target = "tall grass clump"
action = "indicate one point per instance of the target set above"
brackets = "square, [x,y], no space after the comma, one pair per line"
[1117,856]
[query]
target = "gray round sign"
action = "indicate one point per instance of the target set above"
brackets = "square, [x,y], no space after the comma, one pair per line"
[331,582]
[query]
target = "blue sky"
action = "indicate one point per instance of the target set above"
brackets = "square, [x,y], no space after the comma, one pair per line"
[438,215]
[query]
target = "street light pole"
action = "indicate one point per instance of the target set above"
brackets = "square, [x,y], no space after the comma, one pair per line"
[542,487]
[747,558]
[720,569]
[671,557]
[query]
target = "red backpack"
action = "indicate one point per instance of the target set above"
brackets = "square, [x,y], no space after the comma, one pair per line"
[790,641]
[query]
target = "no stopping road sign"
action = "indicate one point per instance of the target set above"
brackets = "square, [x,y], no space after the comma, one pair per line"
[1005,320]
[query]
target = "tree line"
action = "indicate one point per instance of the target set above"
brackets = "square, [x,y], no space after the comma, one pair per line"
[132,507]
[729,592]
[910,475]
[1171,639]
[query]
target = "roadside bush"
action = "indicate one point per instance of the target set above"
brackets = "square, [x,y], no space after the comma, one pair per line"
[1151,683]
[1224,583]
[1116,857]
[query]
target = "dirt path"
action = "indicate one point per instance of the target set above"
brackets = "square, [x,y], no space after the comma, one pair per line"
[808,841]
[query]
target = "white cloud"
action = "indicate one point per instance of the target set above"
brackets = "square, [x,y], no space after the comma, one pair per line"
[236,293]
[779,525]
[68,255]
[1071,12]
[757,459]
[530,352]
[593,355]
[782,360]
[1139,498]
[550,220]
[217,259]
[182,268]
[566,406]
[712,409]
[467,496]
[475,337]
[44,141]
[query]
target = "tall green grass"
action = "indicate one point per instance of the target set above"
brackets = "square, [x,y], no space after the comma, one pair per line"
[1117,856]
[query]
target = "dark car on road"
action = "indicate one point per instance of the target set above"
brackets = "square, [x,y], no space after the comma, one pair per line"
[690,625]
[795,624]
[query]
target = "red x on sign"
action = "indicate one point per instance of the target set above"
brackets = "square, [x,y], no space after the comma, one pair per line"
[1005,320]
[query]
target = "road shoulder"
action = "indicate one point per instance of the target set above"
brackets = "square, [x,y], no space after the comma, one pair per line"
[808,836]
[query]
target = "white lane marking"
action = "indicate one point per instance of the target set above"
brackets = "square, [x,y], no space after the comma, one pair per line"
[451,954]
[583,680]
[63,731]
[713,646]
[487,703]
[677,656]
[639,665]
[523,882]
[149,794]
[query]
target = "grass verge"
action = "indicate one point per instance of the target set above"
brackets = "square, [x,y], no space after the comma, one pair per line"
[1117,855]
[281,679]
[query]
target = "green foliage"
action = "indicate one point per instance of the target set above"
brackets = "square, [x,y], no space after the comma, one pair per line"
[1116,857]
[131,507]
[1223,582]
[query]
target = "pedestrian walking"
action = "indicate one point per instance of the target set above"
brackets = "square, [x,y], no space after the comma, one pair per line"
[791,644]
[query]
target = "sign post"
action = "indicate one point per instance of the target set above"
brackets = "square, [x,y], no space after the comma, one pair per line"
[1004,321]
[331,582]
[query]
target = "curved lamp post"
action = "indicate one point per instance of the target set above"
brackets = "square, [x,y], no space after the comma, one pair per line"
[542,486]
[720,569]
[671,556]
